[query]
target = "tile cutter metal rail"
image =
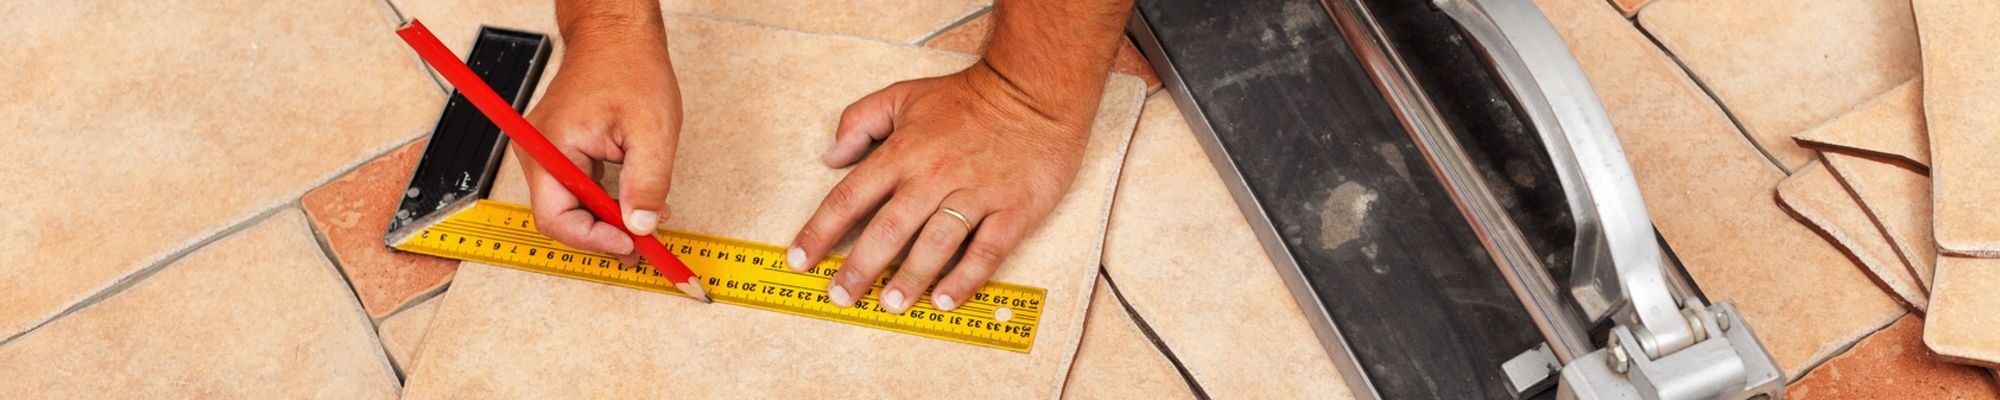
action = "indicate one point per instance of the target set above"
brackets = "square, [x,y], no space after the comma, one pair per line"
[1446,199]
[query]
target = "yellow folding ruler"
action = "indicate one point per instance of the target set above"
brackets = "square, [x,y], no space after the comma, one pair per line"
[1000,315]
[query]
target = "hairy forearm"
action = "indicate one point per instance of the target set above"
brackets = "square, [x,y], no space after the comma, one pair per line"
[1056,53]
[610,25]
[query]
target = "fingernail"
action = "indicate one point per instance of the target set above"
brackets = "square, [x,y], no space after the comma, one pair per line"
[797,259]
[943,302]
[839,296]
[894,299]
[642,222]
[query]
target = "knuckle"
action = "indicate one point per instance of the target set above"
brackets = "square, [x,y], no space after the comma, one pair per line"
[842,198]
[985,254]
[909,280]
[938,236]
[888,229]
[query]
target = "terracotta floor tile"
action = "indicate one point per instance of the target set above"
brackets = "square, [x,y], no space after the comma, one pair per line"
[403,333]
[764,106]
[1710,193]
[1899,201]
[1893,364]
[1783,66]
[353,211]
[155,124]
[1630,7]
[1963,325]
[972,37]
[1815,197]
[1175,230]
[901,21]
[1890,127]
[1961,90]
[1116,360]
[256,314]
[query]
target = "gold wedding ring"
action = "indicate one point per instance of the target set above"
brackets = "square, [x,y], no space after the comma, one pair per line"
[960,216]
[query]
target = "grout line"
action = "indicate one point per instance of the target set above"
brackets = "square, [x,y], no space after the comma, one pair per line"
[339,273]
[401,19]
[926,40]
[1193,385]
[326,250]
[176,255]
[1705,90]
[148,271]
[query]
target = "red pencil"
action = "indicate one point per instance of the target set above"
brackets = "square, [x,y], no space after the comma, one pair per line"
[545,153]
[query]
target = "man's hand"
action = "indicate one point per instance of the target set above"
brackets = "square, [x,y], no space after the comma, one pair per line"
[978,158]
[614,100]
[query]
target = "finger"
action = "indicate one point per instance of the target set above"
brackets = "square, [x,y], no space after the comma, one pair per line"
[880,242]
[998,234]
[855,196]
[643,185]
[939,240]
[864,122]
[560,216]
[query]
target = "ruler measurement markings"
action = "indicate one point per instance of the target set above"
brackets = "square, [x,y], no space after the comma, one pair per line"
[743,273]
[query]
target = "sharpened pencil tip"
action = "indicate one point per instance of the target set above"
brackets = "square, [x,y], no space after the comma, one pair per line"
[693,289]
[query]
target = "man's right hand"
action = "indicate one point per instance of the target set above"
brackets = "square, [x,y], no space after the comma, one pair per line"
[615,99]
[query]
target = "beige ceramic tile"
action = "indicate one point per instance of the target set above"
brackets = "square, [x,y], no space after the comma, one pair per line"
[1175,231]
[903,21]
[1899,201]
[1893,364]
[257,314]
[1965,329]
[352,212]
[403,333]
[761,110]
[1963,325]
[136,130]
[1890,127]
[1710,193]
[1782,66]
[1961,91]
[1815,196]
[1116,361]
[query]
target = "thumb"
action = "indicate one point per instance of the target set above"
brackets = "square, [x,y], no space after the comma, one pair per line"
[642,186]
[864,122]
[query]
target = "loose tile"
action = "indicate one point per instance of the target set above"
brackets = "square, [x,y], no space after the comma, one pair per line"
[1815,196]
[762,108]
[256,314]
[1783,66]
[353,211]
[1630,7]
[1962,325]
[1899,201]
[403,333]
[140,129]
[972,37]
[1893,364]
[899,21]
[1961,90]
[1175,230]
[1890,127]
[1116,361]
[1709,192]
